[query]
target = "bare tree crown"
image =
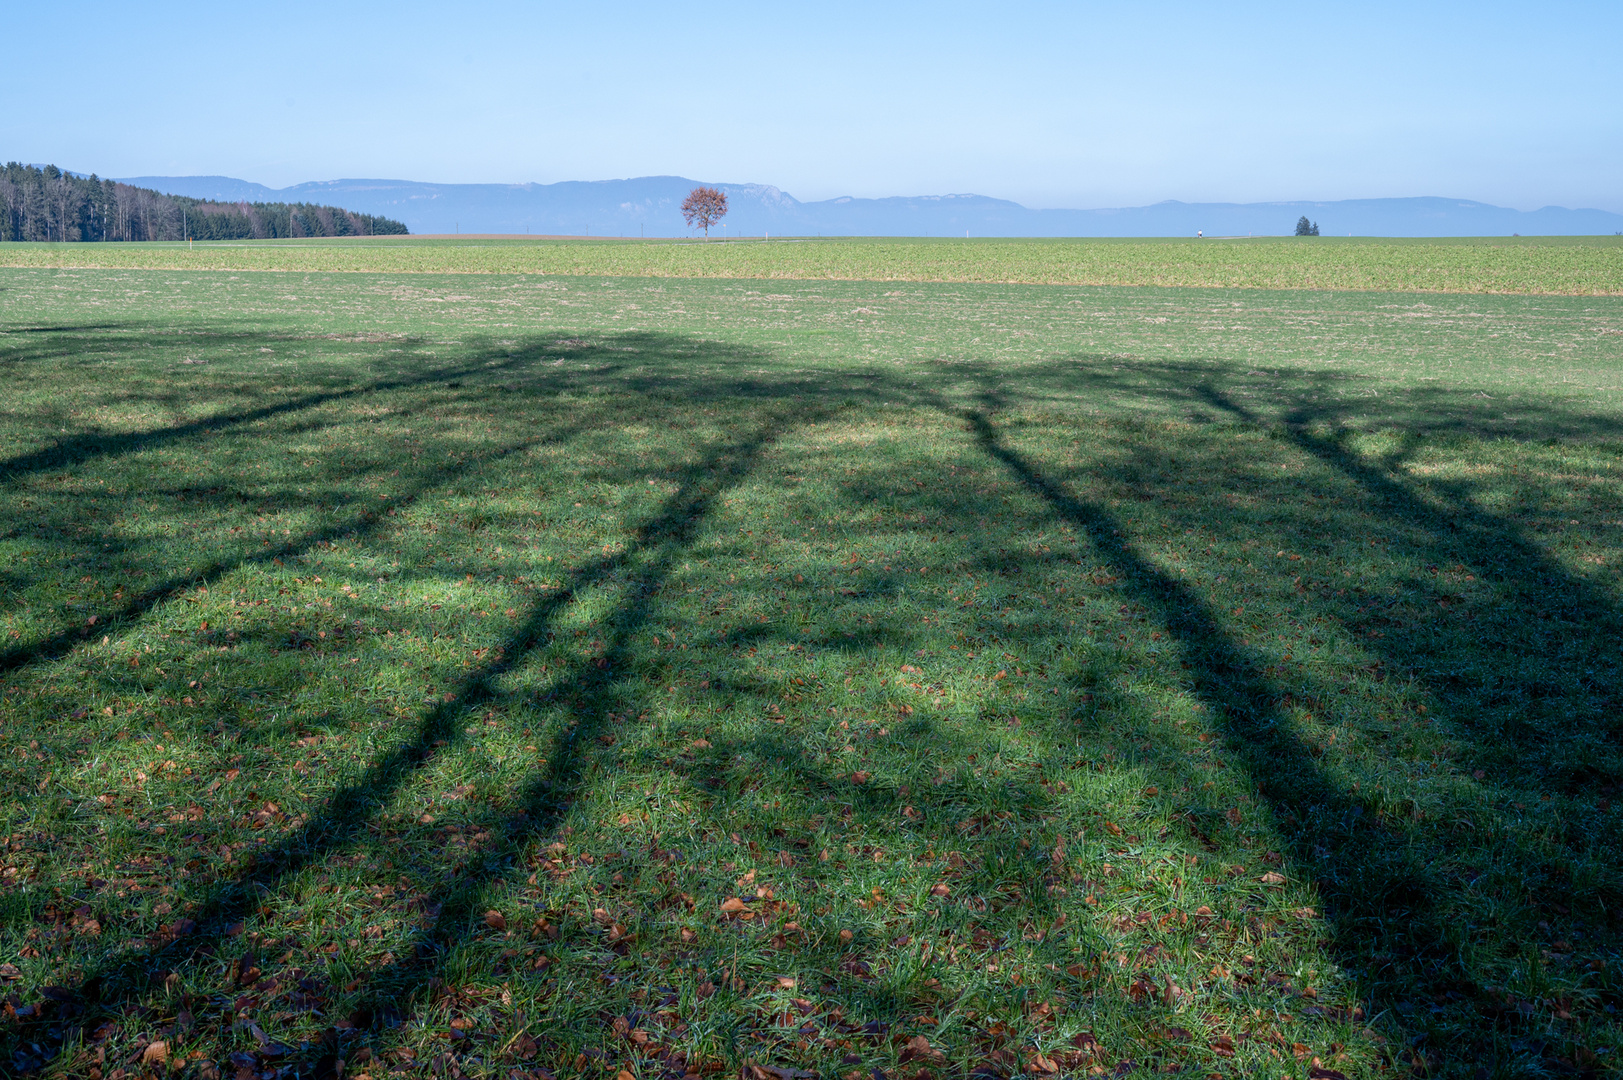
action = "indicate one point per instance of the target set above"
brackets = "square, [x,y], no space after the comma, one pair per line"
[704,206]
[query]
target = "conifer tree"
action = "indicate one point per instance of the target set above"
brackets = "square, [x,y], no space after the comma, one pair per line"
[52,205]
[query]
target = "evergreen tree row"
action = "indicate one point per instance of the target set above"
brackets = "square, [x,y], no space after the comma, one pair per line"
[52,205]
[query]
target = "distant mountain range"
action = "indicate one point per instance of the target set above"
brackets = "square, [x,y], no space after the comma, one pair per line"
[649,206]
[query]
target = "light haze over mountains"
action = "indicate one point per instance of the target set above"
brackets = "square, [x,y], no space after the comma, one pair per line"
[649,206]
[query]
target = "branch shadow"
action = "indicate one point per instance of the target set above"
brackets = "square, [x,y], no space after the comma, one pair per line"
[1531,695]
[588,691]
[1384,900]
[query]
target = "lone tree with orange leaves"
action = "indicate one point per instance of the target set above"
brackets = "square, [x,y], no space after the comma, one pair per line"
[703,207]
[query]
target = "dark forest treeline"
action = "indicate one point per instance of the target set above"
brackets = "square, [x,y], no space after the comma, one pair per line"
[52,205]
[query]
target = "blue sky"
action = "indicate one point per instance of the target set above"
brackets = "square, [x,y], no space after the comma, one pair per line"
[1075,105]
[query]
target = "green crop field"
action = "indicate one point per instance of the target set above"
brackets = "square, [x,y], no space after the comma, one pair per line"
[643,676]
[1587,265]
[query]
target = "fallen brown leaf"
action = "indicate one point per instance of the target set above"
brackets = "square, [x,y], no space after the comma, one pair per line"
[918,1048]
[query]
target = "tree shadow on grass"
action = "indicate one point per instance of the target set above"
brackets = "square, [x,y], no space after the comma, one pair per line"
[1529,693]
[664,365]
[588,691]
[1386,899]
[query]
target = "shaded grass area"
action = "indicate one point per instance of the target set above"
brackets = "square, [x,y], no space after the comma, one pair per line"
[650,682]
[1582,265]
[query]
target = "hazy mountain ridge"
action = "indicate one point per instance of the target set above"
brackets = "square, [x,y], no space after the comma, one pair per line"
[650,206]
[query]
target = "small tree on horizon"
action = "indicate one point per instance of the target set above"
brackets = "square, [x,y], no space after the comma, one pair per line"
[703,207]
[1304,227]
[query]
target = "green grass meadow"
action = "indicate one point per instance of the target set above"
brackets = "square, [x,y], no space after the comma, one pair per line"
[507,675]
[1575,265]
